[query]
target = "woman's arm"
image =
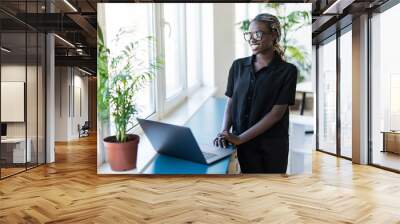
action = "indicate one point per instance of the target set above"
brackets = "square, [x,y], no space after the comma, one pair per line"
[227,122]
[219,141]
[264,124]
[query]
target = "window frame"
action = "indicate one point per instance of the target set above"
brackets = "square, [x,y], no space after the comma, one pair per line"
[199,47]
[166,105]
[337,38]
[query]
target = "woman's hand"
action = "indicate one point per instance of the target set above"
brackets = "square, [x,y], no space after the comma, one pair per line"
[234,139]
[220,141]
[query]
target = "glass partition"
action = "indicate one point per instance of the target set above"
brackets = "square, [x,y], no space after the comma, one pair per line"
[327,96]
[13,95]
[385,90]
[22,77]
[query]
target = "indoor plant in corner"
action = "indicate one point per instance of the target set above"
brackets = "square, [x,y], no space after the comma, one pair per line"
[127,75]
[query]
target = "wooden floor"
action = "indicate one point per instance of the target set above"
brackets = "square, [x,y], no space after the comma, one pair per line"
[387,159]
[70,191]
[10,171]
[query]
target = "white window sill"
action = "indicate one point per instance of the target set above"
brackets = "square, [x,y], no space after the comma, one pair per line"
[181,114]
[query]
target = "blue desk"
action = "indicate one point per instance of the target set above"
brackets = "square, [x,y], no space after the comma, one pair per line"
[205,125]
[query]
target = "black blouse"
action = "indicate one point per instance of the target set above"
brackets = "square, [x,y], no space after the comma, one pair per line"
[255,93]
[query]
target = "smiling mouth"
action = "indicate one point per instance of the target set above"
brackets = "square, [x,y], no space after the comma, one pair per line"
[254,46]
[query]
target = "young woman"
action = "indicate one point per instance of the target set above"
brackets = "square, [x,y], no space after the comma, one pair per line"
[259,90]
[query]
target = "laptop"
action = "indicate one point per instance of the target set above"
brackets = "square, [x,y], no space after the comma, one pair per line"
[179,142]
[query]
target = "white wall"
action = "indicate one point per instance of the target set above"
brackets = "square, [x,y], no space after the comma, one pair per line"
[17,73]
[207,28]
[69,82]
[224,44]
[81,83]
[61,103]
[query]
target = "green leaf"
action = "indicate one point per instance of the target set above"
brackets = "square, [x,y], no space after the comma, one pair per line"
[244,25]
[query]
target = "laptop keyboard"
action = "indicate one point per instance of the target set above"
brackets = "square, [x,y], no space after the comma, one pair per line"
[208,155]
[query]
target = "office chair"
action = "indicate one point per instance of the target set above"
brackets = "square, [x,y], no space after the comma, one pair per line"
[84,130]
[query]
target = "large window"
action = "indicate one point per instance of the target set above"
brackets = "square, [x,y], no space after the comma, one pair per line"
[346,93]
[173,53]
[193,38]
[184,27]
[184,41]
[327,96]
[385,89]
[135,29]
[181,31]
[334,106]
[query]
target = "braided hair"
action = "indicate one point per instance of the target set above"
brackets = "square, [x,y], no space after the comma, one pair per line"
[274,25]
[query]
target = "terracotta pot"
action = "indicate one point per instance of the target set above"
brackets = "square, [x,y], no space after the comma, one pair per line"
[122,156]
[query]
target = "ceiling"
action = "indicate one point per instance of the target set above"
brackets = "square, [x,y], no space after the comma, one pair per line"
[75,21]
[332,15]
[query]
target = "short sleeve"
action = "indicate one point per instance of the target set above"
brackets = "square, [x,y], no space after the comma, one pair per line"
[287,93]
[229,87]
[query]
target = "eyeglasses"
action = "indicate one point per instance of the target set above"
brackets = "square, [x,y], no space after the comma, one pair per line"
[255,35]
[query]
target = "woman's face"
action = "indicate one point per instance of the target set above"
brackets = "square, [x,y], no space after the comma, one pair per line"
[267,41]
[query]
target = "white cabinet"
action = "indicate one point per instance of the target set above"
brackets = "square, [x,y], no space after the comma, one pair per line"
[18,149]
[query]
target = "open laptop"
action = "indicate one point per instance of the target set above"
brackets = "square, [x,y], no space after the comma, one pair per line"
[178,141]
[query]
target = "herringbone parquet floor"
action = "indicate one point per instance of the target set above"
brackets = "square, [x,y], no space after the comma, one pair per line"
[70,191]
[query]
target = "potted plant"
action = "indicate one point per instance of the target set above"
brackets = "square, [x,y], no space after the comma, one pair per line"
[127,74]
